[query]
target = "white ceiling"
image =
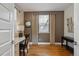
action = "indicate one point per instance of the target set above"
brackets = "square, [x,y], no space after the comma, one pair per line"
[43,6]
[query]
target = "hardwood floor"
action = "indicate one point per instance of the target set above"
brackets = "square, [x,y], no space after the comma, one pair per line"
[48,50]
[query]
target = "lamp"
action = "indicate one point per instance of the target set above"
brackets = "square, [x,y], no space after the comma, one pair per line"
[21,30]
[20,27]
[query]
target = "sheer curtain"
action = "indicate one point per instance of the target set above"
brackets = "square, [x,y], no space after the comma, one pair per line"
[35,27]
[52,27]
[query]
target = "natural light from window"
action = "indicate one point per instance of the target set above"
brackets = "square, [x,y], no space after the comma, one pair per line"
[43,23]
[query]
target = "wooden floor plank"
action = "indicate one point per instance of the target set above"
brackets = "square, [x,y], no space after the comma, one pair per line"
[48,50]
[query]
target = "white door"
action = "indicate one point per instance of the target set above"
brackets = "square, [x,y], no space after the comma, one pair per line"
[6,29]
[76,29]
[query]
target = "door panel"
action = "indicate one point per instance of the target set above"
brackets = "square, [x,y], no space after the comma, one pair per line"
[5,47]
[4,36]
[4,12]
[6,29]
[7,53]
[4,24]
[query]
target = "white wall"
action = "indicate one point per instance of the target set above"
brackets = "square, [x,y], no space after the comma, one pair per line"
[68,12]
[19,20]
[20,17]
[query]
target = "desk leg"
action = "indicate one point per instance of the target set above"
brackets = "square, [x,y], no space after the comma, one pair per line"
[61,42]
[66,44]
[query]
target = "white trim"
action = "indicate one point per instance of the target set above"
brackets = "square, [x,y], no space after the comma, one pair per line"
[40,43]
[46,43]
[43,43]
[4,30]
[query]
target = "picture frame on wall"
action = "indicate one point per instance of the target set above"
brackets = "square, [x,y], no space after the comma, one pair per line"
[70,25]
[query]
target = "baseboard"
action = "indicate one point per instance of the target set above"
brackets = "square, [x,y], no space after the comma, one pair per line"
[43,43]
[46,43]
[40,43]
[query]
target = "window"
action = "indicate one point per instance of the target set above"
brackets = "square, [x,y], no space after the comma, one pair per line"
[43,23]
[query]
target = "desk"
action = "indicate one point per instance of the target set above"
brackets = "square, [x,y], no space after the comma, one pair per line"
[17,39]
[16,42]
